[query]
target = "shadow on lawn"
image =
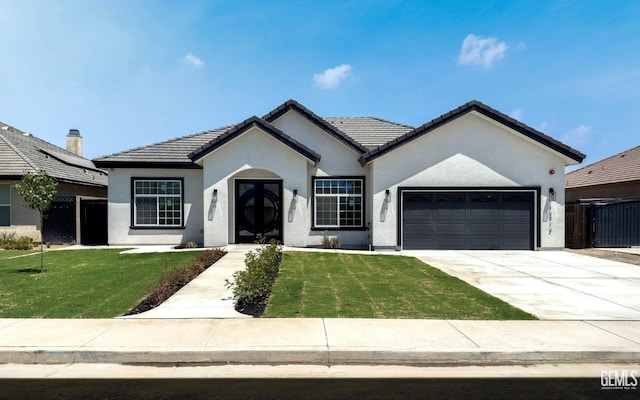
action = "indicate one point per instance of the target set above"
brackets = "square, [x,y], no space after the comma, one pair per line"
[29,271]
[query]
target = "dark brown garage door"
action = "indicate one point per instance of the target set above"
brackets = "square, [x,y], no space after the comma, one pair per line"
[467,220]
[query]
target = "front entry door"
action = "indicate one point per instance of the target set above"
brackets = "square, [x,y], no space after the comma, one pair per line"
[258,210]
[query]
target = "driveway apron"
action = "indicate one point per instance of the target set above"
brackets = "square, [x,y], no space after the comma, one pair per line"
[552,285]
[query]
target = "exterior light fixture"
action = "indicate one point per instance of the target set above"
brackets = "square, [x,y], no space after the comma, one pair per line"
[295,194]
[387,196]
[215,195]
[552,194]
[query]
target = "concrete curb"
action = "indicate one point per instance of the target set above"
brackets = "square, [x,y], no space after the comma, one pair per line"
[314,357]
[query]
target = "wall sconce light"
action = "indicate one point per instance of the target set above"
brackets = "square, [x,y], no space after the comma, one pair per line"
[295,194]
[552,194]
[215,195]
[387,196]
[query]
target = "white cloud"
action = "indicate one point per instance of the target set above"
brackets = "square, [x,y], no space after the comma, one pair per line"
[193,60]
[578,136]
[518,113]
[331,78]
[481,51]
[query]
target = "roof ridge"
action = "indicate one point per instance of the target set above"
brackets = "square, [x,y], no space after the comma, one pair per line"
[603,160]
[17,150]
[317,120]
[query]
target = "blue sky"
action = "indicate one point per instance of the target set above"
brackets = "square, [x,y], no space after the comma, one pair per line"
[131,73]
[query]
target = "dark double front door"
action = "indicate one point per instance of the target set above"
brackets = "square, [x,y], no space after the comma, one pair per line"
[258,210]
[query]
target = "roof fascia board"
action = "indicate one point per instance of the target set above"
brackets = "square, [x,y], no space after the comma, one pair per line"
[145,164]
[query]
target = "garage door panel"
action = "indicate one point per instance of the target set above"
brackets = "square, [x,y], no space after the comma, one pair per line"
[483,244]
[484,213]
[449,213]
[484,228]
[451,244]
[468,220]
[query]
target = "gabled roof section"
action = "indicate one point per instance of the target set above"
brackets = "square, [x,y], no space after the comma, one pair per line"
[370,132]
[243,127]
[621,167]
[22,152]
[173,153]
[481,109]
[317,121]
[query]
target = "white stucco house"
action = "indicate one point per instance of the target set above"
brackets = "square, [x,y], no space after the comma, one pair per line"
[473,178]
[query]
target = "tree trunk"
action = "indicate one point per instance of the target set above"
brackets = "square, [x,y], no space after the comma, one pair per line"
[41,243]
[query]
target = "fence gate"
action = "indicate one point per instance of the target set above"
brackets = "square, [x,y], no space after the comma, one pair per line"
[617,225]
[59,225]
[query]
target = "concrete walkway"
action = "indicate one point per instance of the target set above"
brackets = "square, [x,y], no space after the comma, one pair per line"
[548,284]
[206,296]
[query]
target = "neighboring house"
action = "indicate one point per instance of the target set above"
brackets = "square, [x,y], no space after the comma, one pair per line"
[472,178]
[615,177]
[603,202]
[81,187]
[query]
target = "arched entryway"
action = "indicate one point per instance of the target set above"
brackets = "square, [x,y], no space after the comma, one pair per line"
[258,205]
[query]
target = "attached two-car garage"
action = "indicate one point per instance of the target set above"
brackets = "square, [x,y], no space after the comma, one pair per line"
[467,219]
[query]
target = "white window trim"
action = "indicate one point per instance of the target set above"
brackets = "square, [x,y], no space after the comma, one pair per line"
[338,196]
[179,198]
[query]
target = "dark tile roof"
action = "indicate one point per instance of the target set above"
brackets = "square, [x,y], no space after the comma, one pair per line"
[245,126]
[622,167]
[22,152]
[463,110]
[370,132]
[317,121]
[173,152]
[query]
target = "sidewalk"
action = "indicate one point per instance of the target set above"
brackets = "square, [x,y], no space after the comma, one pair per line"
[317,341]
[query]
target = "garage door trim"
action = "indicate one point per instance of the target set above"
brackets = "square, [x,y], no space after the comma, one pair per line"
[510,189]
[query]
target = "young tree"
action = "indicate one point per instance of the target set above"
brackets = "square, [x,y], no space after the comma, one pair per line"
[38,190]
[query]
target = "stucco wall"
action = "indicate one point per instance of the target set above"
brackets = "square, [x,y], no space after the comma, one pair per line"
[471,151]
[120,232]
[253,155]
[337,160]
[24,221]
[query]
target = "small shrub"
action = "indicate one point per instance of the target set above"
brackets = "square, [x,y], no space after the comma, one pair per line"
[252,286]
[8,241]
[331,242]
[191,244]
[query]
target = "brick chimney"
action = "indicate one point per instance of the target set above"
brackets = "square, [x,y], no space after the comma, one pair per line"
[74,142]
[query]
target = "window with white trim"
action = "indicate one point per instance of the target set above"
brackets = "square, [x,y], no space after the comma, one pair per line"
[5,204]
[157,202]
[338,202]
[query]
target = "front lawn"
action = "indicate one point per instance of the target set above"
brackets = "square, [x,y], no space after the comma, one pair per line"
[80,283]
[331,285]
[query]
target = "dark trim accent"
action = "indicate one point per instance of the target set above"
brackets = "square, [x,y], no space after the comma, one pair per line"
[364,204]
[317,121]
[147,164]
[537,217]
[132,221]
[156,228]
[264,126]
[236,210]
[485,110]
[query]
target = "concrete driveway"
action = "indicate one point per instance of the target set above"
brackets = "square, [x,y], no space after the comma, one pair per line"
[548,284]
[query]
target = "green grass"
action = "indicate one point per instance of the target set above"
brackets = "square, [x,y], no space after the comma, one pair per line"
[330,285]
[80,283]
